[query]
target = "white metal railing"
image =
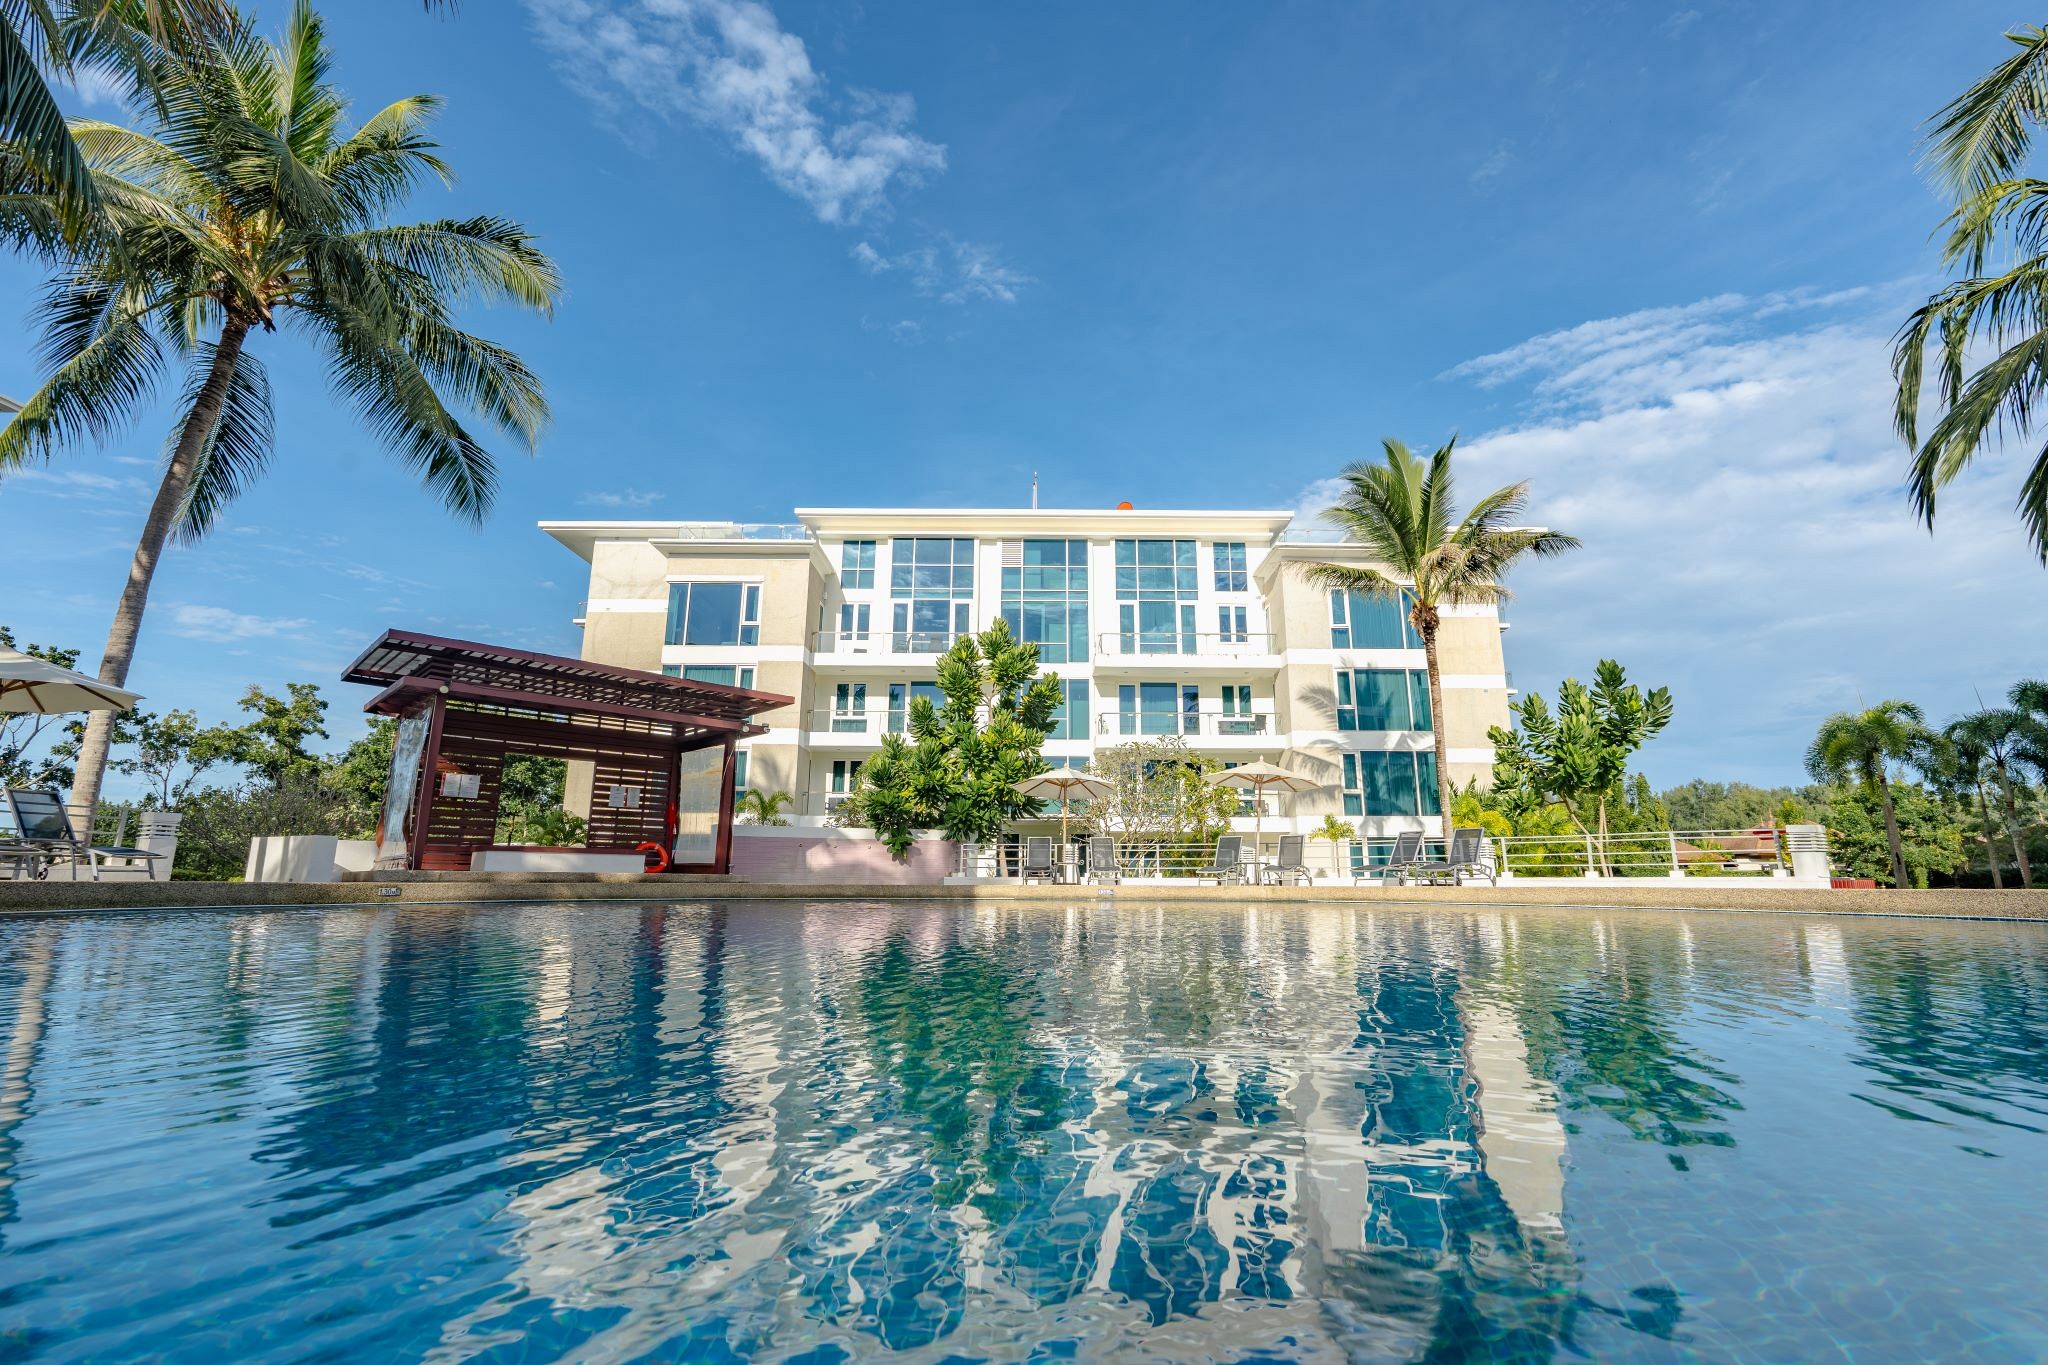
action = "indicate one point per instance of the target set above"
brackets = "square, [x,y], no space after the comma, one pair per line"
[744,530]
[883,641]
[1649,853]
[872,722]
[1187,724]
[1139,859]
[825,803]
[1163,643]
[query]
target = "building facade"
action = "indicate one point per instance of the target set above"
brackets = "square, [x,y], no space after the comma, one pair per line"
[1196,624]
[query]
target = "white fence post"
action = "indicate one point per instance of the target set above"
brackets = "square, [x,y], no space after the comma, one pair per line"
[1677,867]
[1592,867]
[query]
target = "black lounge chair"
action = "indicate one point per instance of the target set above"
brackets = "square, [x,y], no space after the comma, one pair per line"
[1038,860]
[42,823]
[1465,858]
[1228,865]
[1102,859]
[1290,865]
[1400,865]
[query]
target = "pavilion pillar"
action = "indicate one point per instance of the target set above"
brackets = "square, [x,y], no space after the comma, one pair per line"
[423,804]
[722,860]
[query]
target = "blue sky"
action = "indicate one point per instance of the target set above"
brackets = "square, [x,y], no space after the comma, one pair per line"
[1647,256]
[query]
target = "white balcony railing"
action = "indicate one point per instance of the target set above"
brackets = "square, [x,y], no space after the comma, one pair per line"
[1185,724]
[872,722]
[843,642]
[744,530]
[1183,644]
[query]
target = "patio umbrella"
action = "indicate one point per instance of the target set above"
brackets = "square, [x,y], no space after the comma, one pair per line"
[32,686]
[1063,783]
[1258,777]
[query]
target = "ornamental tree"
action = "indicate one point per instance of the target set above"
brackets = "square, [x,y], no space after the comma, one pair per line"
[958,769]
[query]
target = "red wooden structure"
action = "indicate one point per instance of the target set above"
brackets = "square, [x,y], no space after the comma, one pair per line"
[661,749]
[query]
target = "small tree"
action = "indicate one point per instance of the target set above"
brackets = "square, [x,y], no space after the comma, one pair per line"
[1160,795]
[763,808]
[274,743]
[173,750]
[1579,757]
[1337,832]
[958,771]
[1860,745]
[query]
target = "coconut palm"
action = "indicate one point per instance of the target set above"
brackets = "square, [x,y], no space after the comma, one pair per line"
[243,202]
[764,808]
[2001,734]
[1968,757]
[1998,240]
[1861,745]
[1401,510]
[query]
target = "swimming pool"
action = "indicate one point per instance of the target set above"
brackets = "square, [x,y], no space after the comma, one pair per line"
[858,1131]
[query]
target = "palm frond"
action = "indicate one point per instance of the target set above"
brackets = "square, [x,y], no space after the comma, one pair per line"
[106,359]
[239,447]
[30,120]
[484,258]
[1984,134]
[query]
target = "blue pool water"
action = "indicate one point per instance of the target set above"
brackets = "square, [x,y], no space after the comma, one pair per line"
[851,1132]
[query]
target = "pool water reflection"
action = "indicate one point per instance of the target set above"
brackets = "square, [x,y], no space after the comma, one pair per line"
[860,1131]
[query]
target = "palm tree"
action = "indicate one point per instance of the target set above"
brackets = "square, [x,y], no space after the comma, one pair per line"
[1401,511]
[1977,148]
[1968,756]
[244,202]
[763,808]
[2001,734]
[1861,744]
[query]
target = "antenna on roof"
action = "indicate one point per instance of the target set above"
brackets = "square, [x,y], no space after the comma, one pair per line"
[1034,490]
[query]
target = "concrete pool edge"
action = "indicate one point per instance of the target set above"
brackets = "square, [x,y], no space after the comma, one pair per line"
[65,897]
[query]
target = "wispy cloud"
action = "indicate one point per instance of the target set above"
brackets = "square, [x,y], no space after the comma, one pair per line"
[1497,162]
[1731,467]
[729,66]
[69,483]
[631,499]
[221,625]
[949,270]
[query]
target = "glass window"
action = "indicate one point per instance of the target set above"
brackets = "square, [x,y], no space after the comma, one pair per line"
[1070,717]
[725,675]
[1156,591]
[1157,708]
[739,773]
[714,614]
[1229,563]
[857,564]
[845,775]
[902,694]
[1045,598]
[1361,621]
[1231,626]
[930,566]
[1390,784]
[1382,699]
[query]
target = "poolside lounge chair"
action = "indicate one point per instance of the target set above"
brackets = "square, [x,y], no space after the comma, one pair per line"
[1289,866]
[1400,865]
[1465,858]
[1102,859]
[1038,860]
[41,822]
[1227,866]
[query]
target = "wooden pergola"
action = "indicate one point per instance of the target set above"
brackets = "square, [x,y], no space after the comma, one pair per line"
[661,749]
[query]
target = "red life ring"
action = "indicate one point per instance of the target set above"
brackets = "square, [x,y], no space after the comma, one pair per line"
[657,856]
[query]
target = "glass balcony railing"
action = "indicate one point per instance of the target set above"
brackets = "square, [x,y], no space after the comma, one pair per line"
[883,641]
[1182,644]
[744,530]
[1185,724]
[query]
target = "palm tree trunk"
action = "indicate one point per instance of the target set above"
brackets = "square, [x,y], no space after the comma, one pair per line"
[156,532]
[1891,831]
[1427,629]
[1990,841]
[2012,827]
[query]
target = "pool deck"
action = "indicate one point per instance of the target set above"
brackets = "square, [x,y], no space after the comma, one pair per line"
[55,897]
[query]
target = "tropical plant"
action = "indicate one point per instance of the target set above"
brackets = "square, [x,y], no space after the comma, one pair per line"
[1160,794]
[1861,745]
[1401,511]
[2001,735]
[1861,828]
[1337,832]
[241,202]
[1578,758]
[172,752]
[764,808]
[958,771]
[1978,147]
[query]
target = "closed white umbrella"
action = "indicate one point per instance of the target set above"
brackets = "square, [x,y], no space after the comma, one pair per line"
[37,687]
[1258,777]
[1063,783]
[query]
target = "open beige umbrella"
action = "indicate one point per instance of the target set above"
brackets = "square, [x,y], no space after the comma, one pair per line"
[1258,777]
[32,686]
[1063,783]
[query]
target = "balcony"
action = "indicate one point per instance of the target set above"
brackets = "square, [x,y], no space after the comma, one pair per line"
[863,727]
[853,647]
[1181,651]
[1257,729]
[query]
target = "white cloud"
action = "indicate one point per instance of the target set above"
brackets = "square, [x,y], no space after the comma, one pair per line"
[949,270]
[730,66]
[68,483]
[97,87]
[1501,158]
[624,498]
[1731,468]
[222,625]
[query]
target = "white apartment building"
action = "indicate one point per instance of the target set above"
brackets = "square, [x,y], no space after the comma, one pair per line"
[1189,623]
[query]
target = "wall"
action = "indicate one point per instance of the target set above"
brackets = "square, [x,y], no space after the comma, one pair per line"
[796,854]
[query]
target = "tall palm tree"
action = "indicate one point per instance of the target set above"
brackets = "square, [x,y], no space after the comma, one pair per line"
[1401,510]
[1969,756]
[1998,240]
[1862,744]
[243,201]
[2002,734]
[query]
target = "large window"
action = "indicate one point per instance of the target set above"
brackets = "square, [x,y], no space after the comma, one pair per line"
[1382,699]
[1361,621]
[1155,592]
[1230,570]
[726,675]
[901,694]
[932,579]
[1045,598]
[1390,784]
[714,613]
[1070,717]
[1230,626]
[857,564]
[1160,708]
[850,707]
[1238,717]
